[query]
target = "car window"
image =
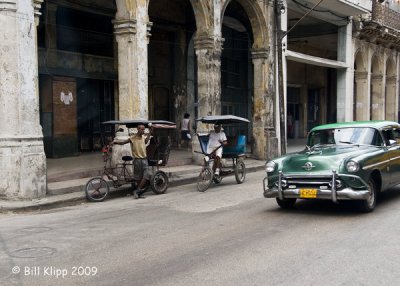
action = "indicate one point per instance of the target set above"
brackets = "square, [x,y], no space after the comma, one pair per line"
[391,134]
[344,136]
[321,137]
[377,141]
[396,133]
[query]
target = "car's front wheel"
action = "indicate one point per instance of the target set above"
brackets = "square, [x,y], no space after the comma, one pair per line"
[286,203]
[369,204]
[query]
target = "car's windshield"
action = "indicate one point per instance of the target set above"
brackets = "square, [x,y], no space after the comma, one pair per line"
[344,136]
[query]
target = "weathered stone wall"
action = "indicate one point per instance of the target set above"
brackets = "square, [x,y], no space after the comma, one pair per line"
[377,85]
[22,159]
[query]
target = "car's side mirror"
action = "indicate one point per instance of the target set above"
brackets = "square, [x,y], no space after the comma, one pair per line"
[392,142]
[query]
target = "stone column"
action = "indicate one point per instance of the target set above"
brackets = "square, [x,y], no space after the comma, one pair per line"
[22,158]
[132,40]
[132,36]
[345,76]
[377,105]
[208,51]
[390,101]
[362,100]
[265,142]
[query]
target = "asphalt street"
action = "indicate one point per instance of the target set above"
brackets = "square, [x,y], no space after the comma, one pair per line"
[229,235]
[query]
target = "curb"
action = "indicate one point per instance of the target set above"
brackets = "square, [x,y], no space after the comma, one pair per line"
[78,196]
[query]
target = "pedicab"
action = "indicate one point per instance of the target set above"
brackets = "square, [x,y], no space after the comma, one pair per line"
[234,150]
[121,173]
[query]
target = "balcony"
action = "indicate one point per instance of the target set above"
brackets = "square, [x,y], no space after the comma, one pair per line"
[385,15]
[382,26]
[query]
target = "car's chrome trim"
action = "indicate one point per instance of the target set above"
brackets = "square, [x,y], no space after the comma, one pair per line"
[333,191]
[332,194]
[375,165]
[280,191]
[345,194]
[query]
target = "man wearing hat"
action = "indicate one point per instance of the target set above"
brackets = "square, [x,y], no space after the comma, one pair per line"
[216,139]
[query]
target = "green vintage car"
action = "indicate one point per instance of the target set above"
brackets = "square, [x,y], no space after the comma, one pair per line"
[342,161]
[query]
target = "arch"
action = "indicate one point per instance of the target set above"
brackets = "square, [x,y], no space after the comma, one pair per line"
[360,98]
[391,67]
[257,21]
[377,103]
[390,90]
[201,14]
[125,9]
[360,62]
[376,65]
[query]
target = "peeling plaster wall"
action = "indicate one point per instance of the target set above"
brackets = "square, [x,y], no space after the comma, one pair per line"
[22,159]
[142,20]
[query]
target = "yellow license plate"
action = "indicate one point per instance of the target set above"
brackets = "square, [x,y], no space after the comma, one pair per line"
[308,193]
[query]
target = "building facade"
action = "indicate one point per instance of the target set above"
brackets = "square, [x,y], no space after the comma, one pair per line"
[342,62]
[68,65]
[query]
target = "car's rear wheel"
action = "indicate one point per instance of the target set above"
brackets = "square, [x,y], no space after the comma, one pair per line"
[369,204]
[286,203]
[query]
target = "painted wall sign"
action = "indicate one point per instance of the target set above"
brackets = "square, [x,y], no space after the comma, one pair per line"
[66,98]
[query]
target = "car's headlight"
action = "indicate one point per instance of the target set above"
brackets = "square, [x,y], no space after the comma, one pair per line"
[270,166]
[352,166]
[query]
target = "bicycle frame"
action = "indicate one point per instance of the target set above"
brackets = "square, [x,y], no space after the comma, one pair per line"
[121,177]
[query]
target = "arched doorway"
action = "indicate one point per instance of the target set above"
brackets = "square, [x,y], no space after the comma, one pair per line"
[173,25]
[390,91]
[360,102]
[236,66]
[377,107]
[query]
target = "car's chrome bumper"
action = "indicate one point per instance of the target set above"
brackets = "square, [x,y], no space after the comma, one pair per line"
[328,194]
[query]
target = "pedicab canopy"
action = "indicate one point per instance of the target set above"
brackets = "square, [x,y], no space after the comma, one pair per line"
[222,119]
[133,123]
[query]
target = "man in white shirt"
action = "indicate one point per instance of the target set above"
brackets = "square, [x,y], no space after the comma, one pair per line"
[216,139]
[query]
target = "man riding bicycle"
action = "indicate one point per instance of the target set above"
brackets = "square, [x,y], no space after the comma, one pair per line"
[216,139]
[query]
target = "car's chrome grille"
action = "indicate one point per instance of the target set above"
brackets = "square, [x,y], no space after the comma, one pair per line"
[301,181]
[307,182]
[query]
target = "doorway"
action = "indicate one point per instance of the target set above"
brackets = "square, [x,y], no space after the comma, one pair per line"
[95,104]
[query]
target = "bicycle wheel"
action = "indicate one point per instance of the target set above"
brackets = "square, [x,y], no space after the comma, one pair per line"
[240,172]
[159,182]
[96,189]
[204,179]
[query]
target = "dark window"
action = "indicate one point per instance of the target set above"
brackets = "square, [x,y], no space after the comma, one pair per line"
[84,32]
[41,31]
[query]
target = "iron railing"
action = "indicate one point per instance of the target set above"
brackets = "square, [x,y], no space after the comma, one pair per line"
[385,16]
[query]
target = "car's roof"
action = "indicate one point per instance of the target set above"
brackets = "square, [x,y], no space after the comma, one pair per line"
[378,124]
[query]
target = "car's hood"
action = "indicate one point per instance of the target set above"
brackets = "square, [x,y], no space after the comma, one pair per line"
[321,159]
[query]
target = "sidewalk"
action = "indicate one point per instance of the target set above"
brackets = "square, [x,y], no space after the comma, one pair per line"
[67,177]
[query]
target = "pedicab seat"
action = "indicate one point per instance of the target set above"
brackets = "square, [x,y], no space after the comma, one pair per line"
[203,140]
[158,151]
[236,147]
[127,158]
